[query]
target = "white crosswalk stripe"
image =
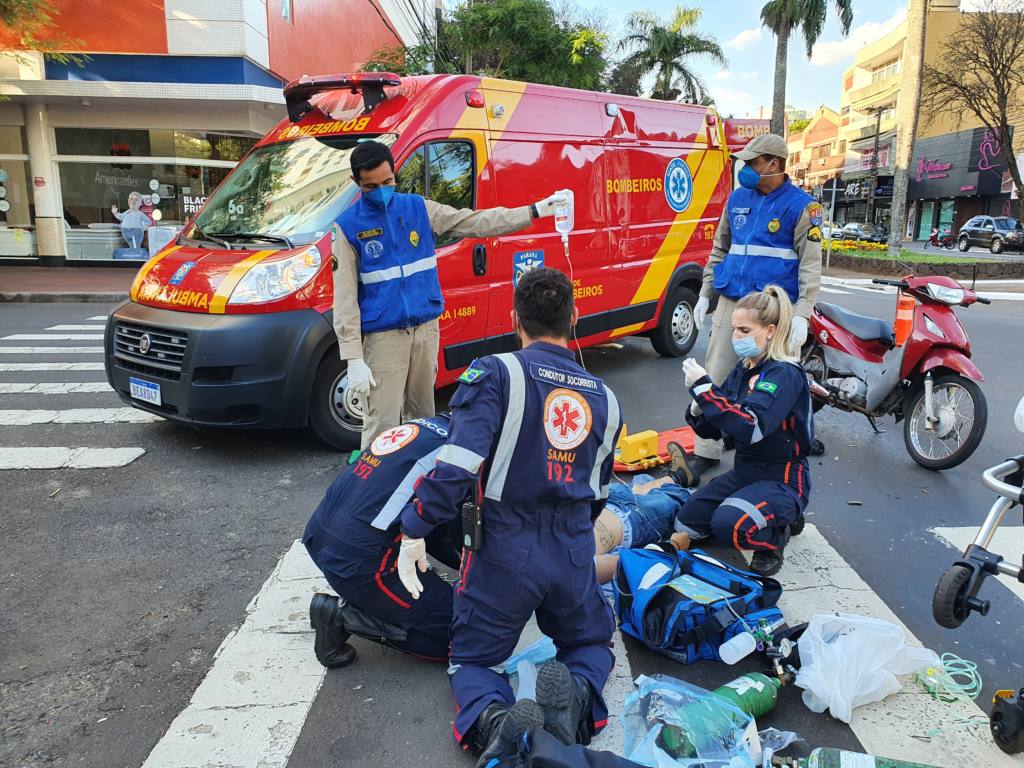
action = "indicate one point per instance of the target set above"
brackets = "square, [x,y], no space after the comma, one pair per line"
[51,350]
[826,289]
[21,418]
[53,337]
[98,317]
[75,394]
[53,387]
[67,458]
[51,367]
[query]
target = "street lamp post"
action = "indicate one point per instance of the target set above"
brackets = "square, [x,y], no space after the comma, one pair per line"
[874,166]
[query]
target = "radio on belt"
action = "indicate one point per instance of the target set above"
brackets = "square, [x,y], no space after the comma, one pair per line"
[472,523]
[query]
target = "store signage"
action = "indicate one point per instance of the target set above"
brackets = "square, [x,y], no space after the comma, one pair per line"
[39,181]
[192,203]
[932,169]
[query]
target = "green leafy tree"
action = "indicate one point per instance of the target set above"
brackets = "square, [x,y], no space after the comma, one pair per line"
[783,18]
[669,50]
[30,26]
[798,126]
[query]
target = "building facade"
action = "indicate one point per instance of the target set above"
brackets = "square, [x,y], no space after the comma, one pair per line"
[817,153]
[167,98]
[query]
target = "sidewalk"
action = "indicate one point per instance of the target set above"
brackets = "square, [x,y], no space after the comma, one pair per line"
[65,284]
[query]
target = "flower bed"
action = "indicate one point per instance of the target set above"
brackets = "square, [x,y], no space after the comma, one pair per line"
[857,245]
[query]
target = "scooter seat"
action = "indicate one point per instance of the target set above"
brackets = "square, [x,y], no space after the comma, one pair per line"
[863,327]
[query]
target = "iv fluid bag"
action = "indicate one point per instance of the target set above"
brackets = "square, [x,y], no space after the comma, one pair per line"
[564,219]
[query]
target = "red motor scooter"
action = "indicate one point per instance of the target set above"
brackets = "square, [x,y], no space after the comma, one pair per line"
[919,371]
[944,239]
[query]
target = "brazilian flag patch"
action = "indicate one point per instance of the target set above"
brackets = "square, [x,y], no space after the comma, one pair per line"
[472,375]
[767,386]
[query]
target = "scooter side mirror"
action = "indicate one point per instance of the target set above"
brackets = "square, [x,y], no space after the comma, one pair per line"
[1018,416]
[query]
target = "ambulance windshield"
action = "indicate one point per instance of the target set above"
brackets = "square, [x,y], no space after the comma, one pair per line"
[291,191]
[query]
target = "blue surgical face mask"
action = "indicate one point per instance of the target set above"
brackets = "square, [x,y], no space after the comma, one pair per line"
[381,196]
[747,347]
[748,177]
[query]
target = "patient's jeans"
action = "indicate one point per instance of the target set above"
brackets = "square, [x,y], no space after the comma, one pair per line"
[646,518]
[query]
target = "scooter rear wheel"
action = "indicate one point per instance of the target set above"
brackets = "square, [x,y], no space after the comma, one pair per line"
[948,607]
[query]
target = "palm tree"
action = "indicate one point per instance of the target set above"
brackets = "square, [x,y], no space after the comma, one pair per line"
[783,17]
[668,50]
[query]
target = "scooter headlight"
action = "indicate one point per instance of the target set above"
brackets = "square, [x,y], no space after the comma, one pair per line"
[945,294]
[270,280]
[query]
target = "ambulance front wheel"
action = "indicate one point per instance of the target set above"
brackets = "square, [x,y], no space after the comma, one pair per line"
[335,413]
[676,333]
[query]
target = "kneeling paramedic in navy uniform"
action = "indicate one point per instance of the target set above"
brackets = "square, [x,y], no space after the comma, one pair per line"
[353,538]
[765,406]
[534,433]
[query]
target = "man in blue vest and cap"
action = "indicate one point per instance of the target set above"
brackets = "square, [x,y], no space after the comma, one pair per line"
[387,297]
[769,233]
[534,433]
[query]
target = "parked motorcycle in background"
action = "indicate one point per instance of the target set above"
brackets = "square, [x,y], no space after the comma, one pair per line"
[945,239]
[918,370]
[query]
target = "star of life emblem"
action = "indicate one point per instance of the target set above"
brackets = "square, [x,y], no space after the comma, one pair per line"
[567,419]
[394,439]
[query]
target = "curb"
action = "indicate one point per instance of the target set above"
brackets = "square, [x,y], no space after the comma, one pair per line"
[61,297]
[986,269]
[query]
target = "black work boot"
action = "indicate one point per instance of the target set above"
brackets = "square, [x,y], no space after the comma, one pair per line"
[797,527]
[497,731]
[683,473]
[566,699]
[701,464]
[330,646]
[766,562]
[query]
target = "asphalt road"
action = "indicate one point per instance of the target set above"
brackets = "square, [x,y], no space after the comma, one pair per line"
[118,585]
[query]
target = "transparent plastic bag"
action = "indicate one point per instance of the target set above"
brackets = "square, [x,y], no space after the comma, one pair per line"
[540,650]
[849,660]
[671,724]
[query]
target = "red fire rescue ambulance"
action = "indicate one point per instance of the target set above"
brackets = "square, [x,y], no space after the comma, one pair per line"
[231,325]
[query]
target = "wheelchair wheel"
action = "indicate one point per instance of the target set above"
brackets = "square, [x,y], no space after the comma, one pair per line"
[948,602]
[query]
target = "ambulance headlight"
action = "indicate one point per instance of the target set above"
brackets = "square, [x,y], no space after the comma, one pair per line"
[270,280]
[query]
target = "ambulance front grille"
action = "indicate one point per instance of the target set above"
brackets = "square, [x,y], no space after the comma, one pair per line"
[163,357]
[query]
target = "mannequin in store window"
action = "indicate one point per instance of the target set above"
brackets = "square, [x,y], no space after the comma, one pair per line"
[134,222]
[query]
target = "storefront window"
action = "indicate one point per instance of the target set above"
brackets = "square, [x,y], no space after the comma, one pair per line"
[946,212]
[924,228]
[113,211]
[16,206]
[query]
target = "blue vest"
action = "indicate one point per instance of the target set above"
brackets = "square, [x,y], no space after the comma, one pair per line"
[762,251]
[398,283]
[358,516]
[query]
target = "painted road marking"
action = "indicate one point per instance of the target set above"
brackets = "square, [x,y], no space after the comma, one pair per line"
[67,458]
[250,707]
[51,366]
[76,328]
[51,350]
[826,289]
[98,317]
[53,337]
[53,388]
[1008,542]
[22,418]
[816,579]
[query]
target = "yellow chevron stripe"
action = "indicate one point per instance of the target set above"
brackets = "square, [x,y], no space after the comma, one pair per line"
[144,270]
[475,119]
[233,278]
[665,260]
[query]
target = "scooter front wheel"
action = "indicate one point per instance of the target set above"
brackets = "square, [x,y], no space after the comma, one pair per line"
[962,413]
[948,607]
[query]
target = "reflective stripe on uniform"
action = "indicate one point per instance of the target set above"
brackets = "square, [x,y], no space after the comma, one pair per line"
[755,435]
[394,273]
[787,254]
[461,457]
[396,501]
[510,426]
[745,506]
[701,389]
[607,445]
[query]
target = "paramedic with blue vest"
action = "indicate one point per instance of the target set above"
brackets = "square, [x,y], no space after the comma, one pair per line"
[769,234]
[387,297]
[535,434]
[764,404]
[353,538]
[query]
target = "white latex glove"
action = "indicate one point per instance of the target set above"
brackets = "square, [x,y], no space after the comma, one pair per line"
[694,409]
[360,377]
[700,311]
[546,207]
[412,554]
[797,334]
[692,372]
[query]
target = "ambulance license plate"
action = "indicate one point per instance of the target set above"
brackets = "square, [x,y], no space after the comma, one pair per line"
[146,391]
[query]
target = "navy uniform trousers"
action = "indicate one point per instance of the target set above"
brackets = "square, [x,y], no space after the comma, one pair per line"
[543,564]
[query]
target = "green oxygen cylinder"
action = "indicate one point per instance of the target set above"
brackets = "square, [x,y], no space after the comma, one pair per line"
[829,757]
[753,693]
